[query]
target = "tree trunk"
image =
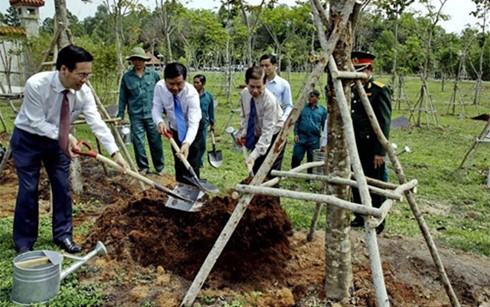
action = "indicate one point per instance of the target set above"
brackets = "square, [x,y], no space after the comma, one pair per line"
[395,58]
[476,100]
[61,17]
[338,275]
[249,35]
[63,40]
[118,29]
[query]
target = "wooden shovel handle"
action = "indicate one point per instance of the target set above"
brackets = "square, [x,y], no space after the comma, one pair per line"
[176,147]
[212,138]
[91,153]
[249,167]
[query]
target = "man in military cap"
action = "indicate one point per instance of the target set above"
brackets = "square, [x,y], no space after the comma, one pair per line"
[371,152]
[136,95]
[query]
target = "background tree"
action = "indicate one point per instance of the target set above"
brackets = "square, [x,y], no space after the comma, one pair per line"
[11,18]
[118,9]
[424,101]
[394,9]
[169,13]
[151,34]
[251,17]
[282,23]
[204,38]
[481,13]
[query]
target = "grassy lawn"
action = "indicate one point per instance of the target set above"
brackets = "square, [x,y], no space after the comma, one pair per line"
[456,209]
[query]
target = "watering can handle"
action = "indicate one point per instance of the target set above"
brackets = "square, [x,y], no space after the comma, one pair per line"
[89,153]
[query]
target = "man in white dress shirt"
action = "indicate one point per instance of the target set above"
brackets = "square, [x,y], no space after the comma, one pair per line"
[277,85]
[261,120]
[37,138]
[180,103]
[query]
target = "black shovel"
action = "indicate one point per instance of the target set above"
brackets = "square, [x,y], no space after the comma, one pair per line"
[194,179]
[215,157]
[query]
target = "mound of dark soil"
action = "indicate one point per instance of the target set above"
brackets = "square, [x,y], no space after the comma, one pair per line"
[145,231]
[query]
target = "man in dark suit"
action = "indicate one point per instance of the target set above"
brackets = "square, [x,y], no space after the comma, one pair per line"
[371,152]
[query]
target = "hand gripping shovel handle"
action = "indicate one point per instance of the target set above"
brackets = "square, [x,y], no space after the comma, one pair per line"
[91,153]
[176,147]
[194,179]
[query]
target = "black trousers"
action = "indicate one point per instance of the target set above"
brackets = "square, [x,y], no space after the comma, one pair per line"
[366,155]
[30,151]
[193,158]
[277,165]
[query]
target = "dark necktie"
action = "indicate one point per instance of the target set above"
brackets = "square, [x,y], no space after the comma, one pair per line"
[64,128]
[251,126]
[179,119]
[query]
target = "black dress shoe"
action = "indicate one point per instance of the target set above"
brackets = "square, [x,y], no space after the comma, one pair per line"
[23,250]
[69,246]
[357,222]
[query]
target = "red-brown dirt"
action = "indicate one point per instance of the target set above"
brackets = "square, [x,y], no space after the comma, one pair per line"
[149,233]
[155,252]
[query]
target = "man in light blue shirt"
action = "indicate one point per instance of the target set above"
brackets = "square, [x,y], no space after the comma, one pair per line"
[277,85]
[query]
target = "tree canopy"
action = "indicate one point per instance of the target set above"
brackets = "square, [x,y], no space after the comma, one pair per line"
[199,37]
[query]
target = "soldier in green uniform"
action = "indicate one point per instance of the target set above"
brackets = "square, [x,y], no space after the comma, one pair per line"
[371,152]
[136,94]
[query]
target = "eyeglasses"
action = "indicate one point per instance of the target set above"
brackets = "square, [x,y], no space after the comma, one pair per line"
[84,75]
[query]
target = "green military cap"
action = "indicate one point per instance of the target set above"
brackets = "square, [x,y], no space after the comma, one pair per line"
[138,52]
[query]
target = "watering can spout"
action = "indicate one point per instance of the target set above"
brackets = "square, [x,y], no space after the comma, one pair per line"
[99,249]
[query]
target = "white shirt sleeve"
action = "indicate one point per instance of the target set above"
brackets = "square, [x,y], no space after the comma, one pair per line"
[94,120]
[287,99]
[158,109]
[245,98]
[194,113]
[32,117]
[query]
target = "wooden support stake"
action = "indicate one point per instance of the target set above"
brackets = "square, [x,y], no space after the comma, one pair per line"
[349,75]
[319,198]
[3,163]
[410,198]
[5,129]
[116,133]
[340,181]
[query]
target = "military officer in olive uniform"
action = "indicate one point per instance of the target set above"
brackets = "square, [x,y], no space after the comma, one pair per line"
[371,152]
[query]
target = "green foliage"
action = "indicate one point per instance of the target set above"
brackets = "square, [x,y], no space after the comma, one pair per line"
[11,18]
[199,36]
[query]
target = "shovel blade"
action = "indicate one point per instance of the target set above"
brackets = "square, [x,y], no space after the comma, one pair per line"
[188,192]
[201,184]
[215,158]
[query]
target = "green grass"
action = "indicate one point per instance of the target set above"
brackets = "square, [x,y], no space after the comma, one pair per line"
[457,210]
